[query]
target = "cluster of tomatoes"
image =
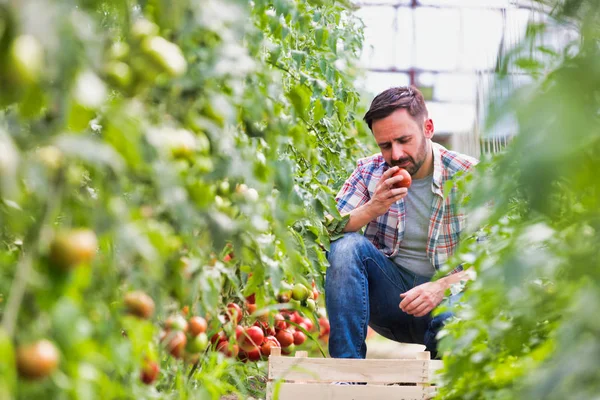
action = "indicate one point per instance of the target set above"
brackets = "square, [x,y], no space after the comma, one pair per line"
[286,329]
[187,337]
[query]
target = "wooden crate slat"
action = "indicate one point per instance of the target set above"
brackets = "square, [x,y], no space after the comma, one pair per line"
[350,370]
[434,367]
[327,391]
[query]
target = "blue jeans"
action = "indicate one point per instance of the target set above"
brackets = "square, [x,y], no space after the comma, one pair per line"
[363,289]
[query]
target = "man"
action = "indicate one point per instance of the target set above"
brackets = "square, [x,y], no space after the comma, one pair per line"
[383,279]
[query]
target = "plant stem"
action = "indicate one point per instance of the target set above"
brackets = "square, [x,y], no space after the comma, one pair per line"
[30,251]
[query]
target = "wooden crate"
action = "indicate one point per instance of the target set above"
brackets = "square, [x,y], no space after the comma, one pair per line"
[409,377]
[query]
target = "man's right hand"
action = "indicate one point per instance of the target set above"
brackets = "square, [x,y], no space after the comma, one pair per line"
[384,196]
[385,193]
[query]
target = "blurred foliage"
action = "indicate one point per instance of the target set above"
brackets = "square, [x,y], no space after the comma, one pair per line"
[527,328]
[179,132]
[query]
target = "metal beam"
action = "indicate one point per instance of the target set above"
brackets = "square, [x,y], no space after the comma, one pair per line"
[526,5]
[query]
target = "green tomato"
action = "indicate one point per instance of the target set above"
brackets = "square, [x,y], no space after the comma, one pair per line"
[51,157]
[119,73]
[142,28]
[176,323]
[165,54]
[119,50]
[299,292]
[223,188]
[26,59]
[198,343]
[311,304]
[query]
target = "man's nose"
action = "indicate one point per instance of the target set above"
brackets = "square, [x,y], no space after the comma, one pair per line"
[397,151]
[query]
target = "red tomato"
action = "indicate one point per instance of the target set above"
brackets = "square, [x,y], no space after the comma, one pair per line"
[197,325]
[150,371]
[406,179]
[234,312]
[251,338]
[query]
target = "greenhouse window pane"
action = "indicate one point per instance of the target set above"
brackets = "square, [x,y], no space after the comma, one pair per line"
[378,48]
[455,87]
[437,38]
[467,3]
[451,118]
[404,49]
[380,2]
[481,36]
[377,82]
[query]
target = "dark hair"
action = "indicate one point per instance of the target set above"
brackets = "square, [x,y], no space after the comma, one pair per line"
[392,99]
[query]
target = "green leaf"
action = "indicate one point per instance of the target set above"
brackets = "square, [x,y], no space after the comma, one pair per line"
[299,95]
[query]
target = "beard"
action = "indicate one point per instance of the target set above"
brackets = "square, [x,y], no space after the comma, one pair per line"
[410,164]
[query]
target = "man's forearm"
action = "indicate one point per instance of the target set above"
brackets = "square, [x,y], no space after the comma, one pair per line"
[450,280]
[359,217]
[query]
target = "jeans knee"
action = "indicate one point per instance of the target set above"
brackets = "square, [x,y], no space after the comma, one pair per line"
[346,246]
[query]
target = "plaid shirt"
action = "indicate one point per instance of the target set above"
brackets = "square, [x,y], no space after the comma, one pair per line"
[387,231]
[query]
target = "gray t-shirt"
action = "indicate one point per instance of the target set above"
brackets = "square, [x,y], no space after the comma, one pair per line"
[412,254]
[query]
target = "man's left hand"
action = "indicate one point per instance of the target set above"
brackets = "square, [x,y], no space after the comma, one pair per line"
[420,300]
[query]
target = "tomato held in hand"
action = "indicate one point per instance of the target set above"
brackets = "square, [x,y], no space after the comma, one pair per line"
[406,179]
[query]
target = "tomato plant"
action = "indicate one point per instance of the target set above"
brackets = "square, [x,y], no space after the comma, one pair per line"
[524,331]
[160,161]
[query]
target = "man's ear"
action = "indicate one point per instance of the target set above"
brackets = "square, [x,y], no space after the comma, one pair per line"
[428,128]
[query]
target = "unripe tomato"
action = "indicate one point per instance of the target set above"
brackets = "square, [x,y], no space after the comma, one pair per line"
[299,292]
[51,157]
[176,323]
[71,248]
[311,304]
[406,178]
[37,360]
[140,304]
[118,73]
[223,188]
[118,50]
[143,28]
[288,350]
[166,54]
[197,343]
[26,59]
[197,325]
[251,195]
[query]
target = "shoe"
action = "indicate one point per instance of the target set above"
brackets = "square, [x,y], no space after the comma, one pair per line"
[400,384]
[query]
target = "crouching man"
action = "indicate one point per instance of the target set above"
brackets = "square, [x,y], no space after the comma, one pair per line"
[382,279]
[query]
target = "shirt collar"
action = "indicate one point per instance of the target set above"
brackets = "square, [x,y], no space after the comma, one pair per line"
[437,169]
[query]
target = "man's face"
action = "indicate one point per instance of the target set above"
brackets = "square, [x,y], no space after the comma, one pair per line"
[403,141]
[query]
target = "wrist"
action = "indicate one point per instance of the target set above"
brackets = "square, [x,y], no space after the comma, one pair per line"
[370,210]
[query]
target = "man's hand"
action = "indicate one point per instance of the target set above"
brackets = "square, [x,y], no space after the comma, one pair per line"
[385,193]
[420,300]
